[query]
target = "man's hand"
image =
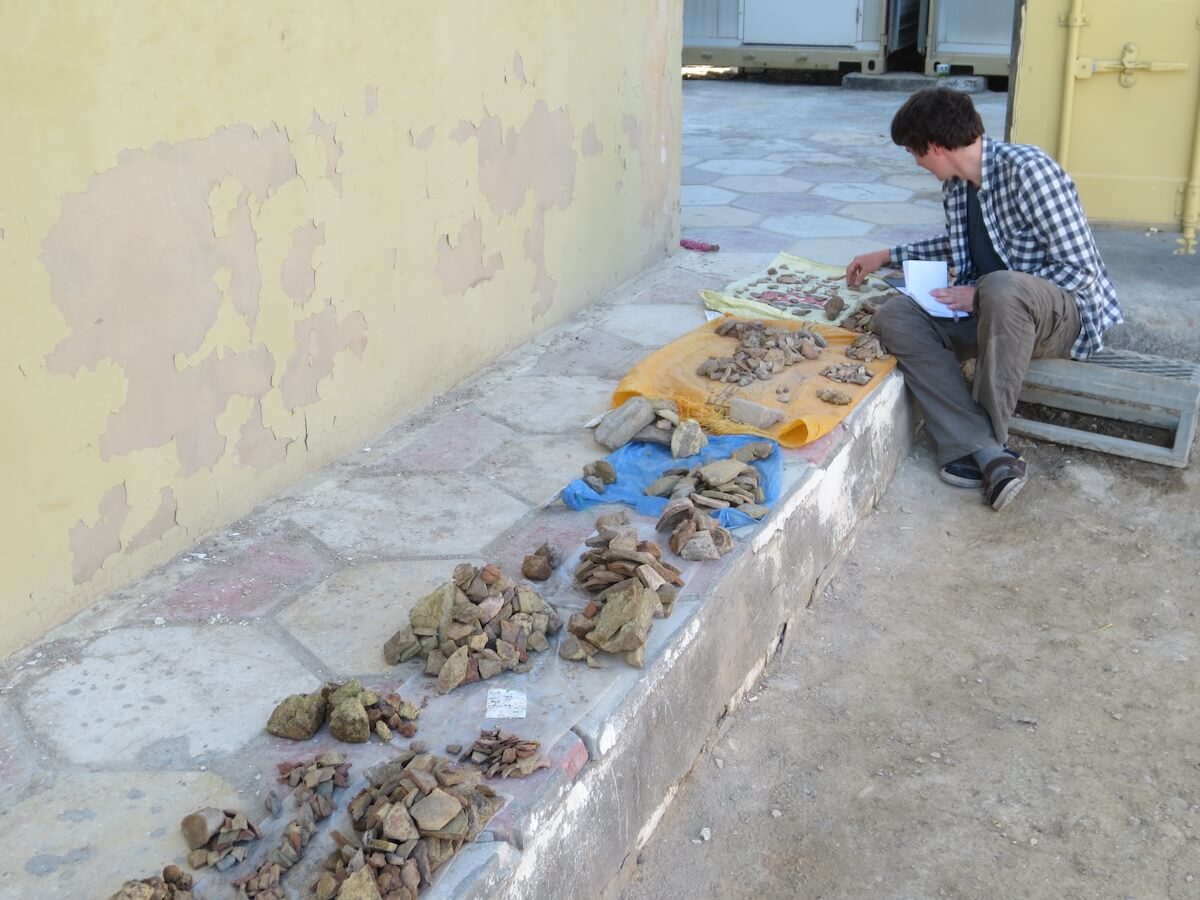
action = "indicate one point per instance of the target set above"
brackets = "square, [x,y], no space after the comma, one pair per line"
[960,297]
[864,264]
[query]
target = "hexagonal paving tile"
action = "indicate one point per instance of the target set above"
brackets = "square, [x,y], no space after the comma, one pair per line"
[704,195]
[708,216]
[835,174]
[786,204]
[651,324]
[742,166]
[427,514]
[452,443]
[894,213]
[807,157]
[916,181]
[833,251]
[536,469]
[763,184]
[820,225]
[543,404]
[345,620]
[164,696]
[94,830]
[692,175]
[862,193]
[737,239]
[891,235]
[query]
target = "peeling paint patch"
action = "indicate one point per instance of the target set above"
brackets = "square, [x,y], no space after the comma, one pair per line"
[92,544]
[370,100]
[207,388]
[164,519]
[319,338]
[518,66]
[258,446]
[460,266]
[540,156]
[632,128]
[422,141]
[535,252]
[327,132]
[589,142]
[297,274]
[131,265]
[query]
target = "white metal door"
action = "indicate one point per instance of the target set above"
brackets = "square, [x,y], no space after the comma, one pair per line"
[803,22]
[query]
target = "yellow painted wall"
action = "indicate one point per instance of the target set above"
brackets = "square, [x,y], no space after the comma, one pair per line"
[1130,149]
[236,239]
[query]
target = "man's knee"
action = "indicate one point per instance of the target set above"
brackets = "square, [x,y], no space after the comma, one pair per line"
[1003,293]
[898,318]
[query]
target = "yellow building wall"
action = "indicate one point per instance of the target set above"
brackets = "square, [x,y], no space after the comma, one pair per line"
[237,239]
[1129,148]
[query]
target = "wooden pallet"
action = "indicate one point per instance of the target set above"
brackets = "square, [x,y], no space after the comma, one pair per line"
[1122,385]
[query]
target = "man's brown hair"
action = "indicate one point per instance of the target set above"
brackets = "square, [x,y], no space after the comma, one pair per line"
[936,116]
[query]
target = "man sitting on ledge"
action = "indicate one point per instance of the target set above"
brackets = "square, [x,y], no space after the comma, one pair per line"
[1027,273]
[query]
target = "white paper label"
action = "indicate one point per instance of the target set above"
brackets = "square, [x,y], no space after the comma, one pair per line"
[505,704]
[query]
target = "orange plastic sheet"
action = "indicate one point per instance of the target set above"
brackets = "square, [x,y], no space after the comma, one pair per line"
[670,373]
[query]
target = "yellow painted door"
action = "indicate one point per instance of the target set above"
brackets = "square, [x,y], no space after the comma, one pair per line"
[1110,87]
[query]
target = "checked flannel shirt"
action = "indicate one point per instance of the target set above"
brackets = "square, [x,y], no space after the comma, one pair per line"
[1037,226]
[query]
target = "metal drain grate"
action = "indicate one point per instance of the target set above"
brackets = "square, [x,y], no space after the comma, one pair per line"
[1178,369]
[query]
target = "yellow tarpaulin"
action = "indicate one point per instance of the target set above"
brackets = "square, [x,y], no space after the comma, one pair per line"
[800,286]
[670,373]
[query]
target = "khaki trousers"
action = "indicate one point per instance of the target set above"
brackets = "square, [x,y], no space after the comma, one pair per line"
[1017,317]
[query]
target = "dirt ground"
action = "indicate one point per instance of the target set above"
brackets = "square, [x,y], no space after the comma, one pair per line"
[979,705]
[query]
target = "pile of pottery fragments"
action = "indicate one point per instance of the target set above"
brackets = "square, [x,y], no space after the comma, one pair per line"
[473,627]
[352,712]
[500,754]
[632,584]
[173,884]
[217,837]
[762,351]
[417,810]
[655,421]
[315,782]
[718,484]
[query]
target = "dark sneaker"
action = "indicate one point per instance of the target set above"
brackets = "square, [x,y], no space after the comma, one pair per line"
[1005,478]
[964,473]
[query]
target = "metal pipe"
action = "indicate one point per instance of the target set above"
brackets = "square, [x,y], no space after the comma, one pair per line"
[1074,24]
[1191,195]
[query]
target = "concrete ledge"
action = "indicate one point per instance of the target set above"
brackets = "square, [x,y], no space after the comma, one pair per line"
[911,82]
[647,731]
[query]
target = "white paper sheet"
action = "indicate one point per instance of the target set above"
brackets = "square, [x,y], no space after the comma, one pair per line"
[922,276]
[505,704]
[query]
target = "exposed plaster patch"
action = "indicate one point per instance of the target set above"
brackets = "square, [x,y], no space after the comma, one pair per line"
[535,252]
[327,132]
[518,66]
[318,339]
[422,141]
[222,201]
[632,128]
[164,519]
[131,265]
[92,544]
[658,71]
[589,142]
[463,131]
[297,275]
[460,266]
[540,156]
[258,446]
[371,100]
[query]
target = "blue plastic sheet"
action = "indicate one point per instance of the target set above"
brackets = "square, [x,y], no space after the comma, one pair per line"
[638,463]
